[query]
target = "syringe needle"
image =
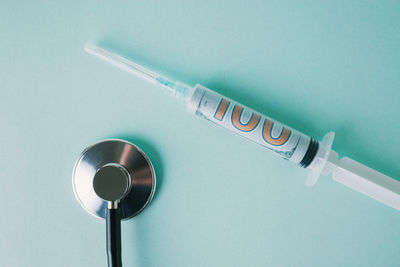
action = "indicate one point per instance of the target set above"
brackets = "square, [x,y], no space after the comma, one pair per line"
[365,180]
[177,89]
[124,64]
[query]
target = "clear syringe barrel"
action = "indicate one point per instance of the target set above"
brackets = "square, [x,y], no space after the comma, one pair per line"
[281,139]
[284,141]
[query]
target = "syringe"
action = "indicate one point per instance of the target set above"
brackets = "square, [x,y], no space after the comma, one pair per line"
[284,141]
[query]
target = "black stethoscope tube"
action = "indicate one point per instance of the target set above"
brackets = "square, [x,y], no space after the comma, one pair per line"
[113,224]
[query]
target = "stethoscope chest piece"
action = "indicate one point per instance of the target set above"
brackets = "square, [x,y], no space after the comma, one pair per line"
[113,171]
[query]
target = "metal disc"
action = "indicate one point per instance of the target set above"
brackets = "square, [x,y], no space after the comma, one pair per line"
[118,152]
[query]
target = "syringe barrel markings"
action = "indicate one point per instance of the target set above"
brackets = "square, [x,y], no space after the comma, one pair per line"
[283,140]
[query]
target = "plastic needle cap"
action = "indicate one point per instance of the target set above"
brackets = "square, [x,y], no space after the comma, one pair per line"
[179,90]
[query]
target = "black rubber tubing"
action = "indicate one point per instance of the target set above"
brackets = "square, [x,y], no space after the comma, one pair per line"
[113,224]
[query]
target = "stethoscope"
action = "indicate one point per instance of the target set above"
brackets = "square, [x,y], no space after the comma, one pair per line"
[115,180]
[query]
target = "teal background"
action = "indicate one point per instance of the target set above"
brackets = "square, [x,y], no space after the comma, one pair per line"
[222,200]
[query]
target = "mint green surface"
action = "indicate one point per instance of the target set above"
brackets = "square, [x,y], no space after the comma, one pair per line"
[221,200]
